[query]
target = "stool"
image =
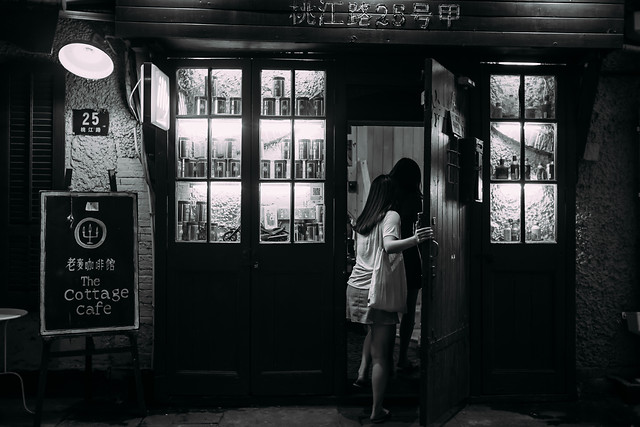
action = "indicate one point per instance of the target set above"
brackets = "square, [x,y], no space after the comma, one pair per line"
[7,314]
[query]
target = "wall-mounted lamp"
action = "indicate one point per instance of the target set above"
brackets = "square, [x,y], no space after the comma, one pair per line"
[87,59]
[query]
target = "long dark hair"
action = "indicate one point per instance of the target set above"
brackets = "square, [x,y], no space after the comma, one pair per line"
[407,176]
[380,200]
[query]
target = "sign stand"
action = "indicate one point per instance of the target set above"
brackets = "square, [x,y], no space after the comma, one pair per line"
[88,278]
[88,352]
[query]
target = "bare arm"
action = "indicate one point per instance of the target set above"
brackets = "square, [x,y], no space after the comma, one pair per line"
[393,245]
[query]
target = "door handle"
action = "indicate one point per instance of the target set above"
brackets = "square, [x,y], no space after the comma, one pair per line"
[434,248]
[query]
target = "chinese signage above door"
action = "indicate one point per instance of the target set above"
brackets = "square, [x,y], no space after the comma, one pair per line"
[392,15]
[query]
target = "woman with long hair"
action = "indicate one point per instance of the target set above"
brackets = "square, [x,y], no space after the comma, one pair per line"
[407,178]
[378,225]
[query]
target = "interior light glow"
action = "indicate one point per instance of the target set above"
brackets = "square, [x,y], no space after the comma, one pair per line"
[86,60]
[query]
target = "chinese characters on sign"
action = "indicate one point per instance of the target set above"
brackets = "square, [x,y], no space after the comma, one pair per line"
[90,122]
[88,262]
[398,15]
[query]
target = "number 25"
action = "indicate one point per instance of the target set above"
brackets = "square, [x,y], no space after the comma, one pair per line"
[93,116]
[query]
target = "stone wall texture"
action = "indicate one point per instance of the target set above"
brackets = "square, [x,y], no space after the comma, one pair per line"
[607,227]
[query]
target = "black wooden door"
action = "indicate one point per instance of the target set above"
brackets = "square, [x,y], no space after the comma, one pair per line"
[525,302]
[250,288]
[445,313]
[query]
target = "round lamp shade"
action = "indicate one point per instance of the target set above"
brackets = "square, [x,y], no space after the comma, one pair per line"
[85,60]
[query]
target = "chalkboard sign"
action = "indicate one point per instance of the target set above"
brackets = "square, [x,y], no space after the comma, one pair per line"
[88,262]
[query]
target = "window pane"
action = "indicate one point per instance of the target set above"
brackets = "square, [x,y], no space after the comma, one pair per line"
[226,92]
[275,149]
[309,212]
[504,97]
[540,212]
[310,149]
[191,148]
[505,150]
[275,203]
[540,97]
[540,149]
[505,212]
[275,96]
[310,93]
[226,148]
[225,211]
[191,211]
[192,91]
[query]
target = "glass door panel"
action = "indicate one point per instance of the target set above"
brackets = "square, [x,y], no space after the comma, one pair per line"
[191,148]
[540,202]
[275,149]
[275,97]
[540,97]
[208,155]
[310,149]
[308,212]
[226,148]
[523,127]
[540,149]
[275,218]
[225,212]
[505,150]
[504,96]
[310,92]
[505,212]
[192,91]
[191,211]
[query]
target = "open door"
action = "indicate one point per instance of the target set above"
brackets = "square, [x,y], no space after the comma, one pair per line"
[445,298]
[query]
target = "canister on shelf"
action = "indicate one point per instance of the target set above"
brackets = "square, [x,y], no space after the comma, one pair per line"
[189,167]
[268,106]
[186,146]
[200,170]
[279,168]
[184,211]
[285,106]
[285,148]
[230,147]
[299,169]
[234,168]
[201,105]
[221,105]
[318,106]
[312,169]
[302,106]
[220,168]
[200,149]
[220,148]
[314,151]
[265,168]
[193,231]
[278,86]
[235,105]
[201,211]
[303,149]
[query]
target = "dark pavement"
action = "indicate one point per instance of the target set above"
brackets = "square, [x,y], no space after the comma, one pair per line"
[67,412]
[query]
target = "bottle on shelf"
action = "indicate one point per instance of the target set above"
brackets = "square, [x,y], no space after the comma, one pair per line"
[541,173]
[515,232]
[527,169]
[551,170]
[515,169]
[502,171]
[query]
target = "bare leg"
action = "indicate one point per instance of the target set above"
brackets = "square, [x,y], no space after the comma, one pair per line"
[365,362]
[380,337]
[406,327]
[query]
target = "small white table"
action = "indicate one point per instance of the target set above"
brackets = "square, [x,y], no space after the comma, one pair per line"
[7,314]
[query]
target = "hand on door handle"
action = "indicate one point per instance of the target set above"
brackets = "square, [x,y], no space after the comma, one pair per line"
[255,265]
